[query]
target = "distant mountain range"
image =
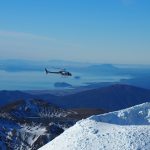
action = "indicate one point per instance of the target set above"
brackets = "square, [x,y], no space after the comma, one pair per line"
[37,65]
[113,97]
[33,65]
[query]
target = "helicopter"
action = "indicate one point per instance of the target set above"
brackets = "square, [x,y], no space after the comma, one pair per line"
[62,72]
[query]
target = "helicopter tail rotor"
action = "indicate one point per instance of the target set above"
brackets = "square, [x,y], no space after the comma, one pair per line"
[46,71]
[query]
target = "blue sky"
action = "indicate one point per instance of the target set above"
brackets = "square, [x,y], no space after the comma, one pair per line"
[105,31]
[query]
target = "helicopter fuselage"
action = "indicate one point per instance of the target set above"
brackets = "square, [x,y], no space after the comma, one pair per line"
[63,73]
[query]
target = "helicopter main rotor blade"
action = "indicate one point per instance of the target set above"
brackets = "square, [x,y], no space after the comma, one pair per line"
[59,68]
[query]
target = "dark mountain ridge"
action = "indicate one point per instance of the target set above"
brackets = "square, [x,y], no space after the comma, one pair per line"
[113,97]
[109,98]
[7,97]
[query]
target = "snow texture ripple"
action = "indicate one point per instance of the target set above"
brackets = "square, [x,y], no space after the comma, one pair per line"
[127,129]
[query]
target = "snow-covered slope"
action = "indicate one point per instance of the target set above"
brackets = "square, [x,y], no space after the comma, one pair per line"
[128,129]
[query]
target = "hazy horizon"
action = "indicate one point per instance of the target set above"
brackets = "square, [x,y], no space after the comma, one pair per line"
[72,61]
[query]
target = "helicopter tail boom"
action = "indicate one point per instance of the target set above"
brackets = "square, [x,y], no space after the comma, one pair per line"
[51,71]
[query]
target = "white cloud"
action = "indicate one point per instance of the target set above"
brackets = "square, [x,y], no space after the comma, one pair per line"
[23,35]
[27,45]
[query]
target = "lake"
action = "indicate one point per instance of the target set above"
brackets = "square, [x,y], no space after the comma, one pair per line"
[36,80]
